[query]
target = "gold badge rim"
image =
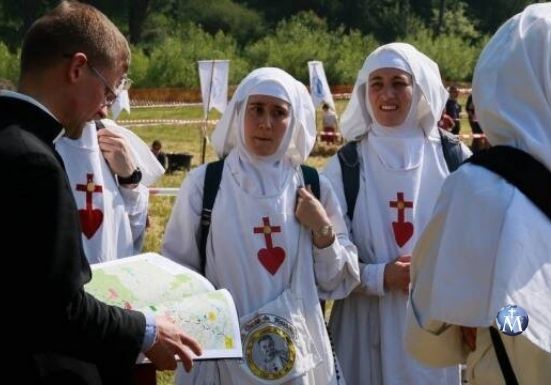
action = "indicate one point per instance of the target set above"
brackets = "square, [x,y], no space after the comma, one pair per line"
[253,339]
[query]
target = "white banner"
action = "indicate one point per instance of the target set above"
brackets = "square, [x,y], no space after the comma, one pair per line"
[213,75]
[319,89]
[122,102]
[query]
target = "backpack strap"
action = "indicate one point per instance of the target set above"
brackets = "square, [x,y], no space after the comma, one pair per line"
[311,177]
[99,124]
[503,358]
[350,165]
[451,147]
[520,169]
[350,170]
[213,176]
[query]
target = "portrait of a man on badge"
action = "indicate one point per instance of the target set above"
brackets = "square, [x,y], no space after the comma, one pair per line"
[271,353]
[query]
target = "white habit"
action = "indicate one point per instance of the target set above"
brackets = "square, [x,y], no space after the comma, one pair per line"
[401,171]
[112,217]
[488,245]
[255,193]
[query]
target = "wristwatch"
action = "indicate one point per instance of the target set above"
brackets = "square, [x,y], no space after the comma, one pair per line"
[323,231]
[133,178]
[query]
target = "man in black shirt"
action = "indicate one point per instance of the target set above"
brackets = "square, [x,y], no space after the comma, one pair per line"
[73,62]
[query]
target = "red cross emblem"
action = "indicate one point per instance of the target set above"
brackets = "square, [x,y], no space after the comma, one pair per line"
[270,257]
[403,230]
[90,218]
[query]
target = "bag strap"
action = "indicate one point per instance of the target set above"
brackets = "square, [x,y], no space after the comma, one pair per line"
[99,124]
[503,358]
[350,165]
[311,177]
[451,147]
[213,176]
[350,170]
[520,169]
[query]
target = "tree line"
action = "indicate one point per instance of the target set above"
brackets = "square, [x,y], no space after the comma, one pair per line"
[168,36]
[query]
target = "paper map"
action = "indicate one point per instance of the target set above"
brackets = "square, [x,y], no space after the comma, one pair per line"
[152,283]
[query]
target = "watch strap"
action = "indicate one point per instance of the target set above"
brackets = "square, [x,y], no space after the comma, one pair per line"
[133,178]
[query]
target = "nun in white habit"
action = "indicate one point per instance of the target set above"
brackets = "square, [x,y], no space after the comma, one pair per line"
[396,103]
[272,244]
[112,215]
[488,245]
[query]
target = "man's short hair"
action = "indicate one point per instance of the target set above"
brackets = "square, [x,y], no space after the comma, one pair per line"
[69,28]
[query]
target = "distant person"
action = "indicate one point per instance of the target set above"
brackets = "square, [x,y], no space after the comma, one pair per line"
[73,62]
[271,242]
[395,161]
[329,120]
[157,150]
[109,170]
[488,243]
[453,109]
[479,140]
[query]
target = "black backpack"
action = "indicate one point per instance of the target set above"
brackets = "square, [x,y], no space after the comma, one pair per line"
[350,166]
[533,179]
[213,176]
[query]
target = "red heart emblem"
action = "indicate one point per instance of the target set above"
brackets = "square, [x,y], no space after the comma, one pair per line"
[272,258]
[403,231]
[90,221]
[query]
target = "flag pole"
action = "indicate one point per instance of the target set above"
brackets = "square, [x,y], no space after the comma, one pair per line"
[205,125]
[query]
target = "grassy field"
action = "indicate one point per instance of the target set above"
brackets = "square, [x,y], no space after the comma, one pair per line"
[188,138]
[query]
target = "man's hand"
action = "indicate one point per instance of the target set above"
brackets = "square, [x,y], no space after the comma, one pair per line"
[171,341]
[396,275]
[117,152]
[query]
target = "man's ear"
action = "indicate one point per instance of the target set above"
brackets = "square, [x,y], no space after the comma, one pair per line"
[76,67]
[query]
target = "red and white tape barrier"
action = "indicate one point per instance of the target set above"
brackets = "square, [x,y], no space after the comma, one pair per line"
[163,191]
[161,122]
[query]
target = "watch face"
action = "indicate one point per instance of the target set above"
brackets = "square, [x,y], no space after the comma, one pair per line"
[324,230]
[137,176]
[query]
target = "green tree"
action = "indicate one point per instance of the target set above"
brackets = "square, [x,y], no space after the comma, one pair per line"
[173,63]
[456,22]
[221,15]
[9,64]
[307,37]
[455,56]
[493,13]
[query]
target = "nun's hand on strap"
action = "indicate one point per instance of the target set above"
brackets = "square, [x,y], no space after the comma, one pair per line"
[312,215]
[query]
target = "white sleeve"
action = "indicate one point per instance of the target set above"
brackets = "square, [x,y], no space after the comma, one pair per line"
[336,266]
[181,239]
[372,279]
[372,275]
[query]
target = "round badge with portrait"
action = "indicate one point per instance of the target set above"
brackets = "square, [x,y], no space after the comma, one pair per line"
[268,343]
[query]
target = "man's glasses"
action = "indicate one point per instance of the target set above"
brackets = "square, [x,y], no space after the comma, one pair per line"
[111,94]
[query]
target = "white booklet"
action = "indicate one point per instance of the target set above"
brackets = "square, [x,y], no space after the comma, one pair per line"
[152,283]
